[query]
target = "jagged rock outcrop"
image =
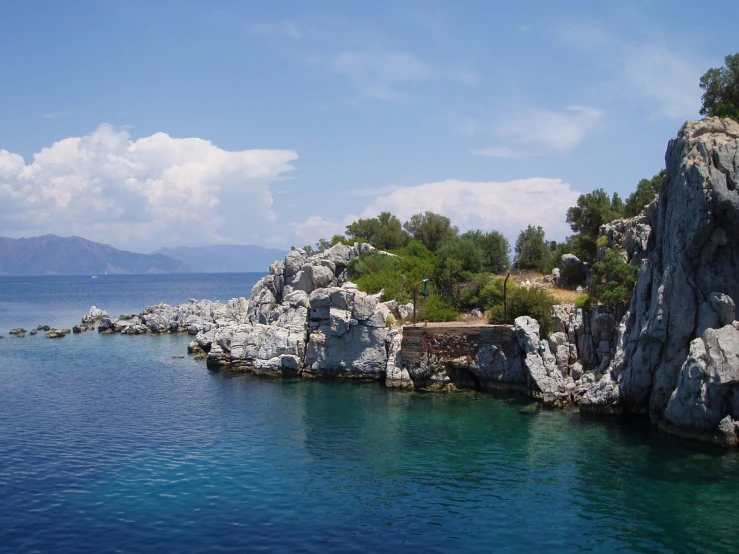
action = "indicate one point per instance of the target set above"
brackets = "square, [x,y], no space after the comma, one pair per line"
[193,317]
[677,326]
[94,315]
[305,318]
[630,236]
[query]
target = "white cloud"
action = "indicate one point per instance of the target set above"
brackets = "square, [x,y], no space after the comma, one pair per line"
[380,74]
[665,77]
[553,130]
[316,227]
[505,206]
[536,131]
[140,194]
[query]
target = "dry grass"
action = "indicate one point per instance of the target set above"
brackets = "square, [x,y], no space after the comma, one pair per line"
[562,295]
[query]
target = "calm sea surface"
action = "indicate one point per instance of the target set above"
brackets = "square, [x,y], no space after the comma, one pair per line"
[109,444]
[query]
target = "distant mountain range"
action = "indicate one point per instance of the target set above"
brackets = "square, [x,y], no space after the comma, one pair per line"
[54,255]
[226,258]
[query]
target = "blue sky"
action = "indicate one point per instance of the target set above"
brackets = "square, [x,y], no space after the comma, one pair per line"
[149,124]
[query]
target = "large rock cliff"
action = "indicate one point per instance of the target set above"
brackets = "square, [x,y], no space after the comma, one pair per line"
[676,356]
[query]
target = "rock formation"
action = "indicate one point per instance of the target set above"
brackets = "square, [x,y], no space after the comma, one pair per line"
[676,354]
[305,318]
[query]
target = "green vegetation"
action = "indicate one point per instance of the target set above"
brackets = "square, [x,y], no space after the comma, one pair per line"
[583,301]
[396,274]
[592,210]
[431,229]
[613,280]
[463,269]
[384,231]
[644,194]
[558,249]
[494,249]
[435,308]
[521,301]
[721,90]
[532,249]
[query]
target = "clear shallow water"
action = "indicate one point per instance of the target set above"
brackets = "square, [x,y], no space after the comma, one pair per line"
[108,443]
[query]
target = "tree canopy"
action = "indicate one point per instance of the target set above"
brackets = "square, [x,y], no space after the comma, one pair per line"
[494,249]
[431,229]
[721,89]
[644,194]
[592,210]
[384,231]
[532,249]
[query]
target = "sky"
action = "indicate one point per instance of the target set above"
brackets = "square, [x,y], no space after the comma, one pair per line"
[169,123]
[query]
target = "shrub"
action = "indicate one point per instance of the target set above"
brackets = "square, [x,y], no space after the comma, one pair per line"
[436,309]
[613,280]
[373,272]
[471,293]
[582,301]
[532,302]
[492,293]
[601,242]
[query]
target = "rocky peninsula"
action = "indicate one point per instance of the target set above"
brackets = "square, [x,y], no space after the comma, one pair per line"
[673,354]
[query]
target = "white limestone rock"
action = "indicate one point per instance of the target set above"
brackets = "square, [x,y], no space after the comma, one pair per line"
[396,376]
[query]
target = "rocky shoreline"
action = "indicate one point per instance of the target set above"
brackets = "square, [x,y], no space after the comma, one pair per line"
[672,355]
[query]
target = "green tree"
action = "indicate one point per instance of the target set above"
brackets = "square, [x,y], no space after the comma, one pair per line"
[532,249]
[431,229]
[644,194]
[458,259]
[592,210]
[375,271]
[384,231]
[494,248]
[613,280]
[721,90]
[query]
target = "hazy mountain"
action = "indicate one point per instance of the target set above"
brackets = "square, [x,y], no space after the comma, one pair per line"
[226,258]
[53,255]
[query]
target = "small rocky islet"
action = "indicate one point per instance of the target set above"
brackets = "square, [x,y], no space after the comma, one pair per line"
[672,355]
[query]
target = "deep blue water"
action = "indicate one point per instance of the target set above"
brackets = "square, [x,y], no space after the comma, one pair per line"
[109,444]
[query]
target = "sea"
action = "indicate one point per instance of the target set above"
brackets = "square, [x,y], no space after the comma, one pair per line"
[113,443]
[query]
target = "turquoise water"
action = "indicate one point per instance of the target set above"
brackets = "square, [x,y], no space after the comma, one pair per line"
[108,444]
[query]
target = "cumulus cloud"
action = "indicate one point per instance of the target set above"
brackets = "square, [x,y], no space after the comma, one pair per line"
[505,206]
[140,194]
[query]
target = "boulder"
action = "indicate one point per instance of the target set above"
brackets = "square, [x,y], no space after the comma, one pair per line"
[707,389]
